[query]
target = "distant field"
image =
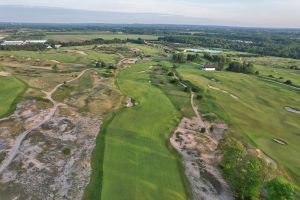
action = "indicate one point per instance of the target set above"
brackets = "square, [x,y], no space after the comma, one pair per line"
[276,62]
[137,162]
[256,111]
[280,74]
[70,36]
[10,90]
[78,55]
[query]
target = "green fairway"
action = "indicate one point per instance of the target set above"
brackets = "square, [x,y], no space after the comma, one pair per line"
[256,111]
[137,161]
[10,90]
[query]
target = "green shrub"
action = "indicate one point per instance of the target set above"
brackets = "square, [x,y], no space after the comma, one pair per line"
[280,189]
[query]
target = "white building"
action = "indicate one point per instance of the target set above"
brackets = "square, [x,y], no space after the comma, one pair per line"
[207,68]
[35,41]
[12,43]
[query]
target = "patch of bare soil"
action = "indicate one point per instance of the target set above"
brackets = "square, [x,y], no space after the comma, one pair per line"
[4,73]
[126,61]
[197,143]
[78,52]
[53,162]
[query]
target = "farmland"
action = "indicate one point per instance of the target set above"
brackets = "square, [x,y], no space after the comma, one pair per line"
[80,36]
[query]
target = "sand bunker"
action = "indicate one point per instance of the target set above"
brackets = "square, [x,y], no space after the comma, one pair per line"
[293,110]
[279,141]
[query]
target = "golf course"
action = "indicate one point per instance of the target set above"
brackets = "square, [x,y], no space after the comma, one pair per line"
[255,111]
[138,162]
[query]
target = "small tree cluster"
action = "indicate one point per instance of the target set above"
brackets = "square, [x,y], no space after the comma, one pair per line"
[193,57]
[244,171]
[179,58]
[239,67]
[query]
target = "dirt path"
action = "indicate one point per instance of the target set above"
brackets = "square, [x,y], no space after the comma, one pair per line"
[14,150]
[224,91]
[199,155]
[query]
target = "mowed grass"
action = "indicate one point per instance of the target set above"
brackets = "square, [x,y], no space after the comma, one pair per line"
[81,36]
[11,90]
[258,115]
[138,163]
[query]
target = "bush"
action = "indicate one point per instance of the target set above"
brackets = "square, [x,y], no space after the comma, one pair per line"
[280,189]
[170,74]
[244,171]
[288,82]
[66,151]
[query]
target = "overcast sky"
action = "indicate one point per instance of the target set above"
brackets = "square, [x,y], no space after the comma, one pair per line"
[276,13]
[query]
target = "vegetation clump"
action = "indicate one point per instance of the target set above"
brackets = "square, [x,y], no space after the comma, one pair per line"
[247,68]
[245,172]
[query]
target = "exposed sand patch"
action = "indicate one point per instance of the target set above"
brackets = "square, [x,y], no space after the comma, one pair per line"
[293,110]
[54,61]
[78,52]
[200,158]
[279,141]
[5,74]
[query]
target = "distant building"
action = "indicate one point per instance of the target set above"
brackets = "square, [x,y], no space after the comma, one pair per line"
[35,41]
[57,46]
[12,43]
[20,42]
[208,67]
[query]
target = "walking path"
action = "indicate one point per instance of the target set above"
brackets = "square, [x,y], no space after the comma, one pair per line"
[14,150]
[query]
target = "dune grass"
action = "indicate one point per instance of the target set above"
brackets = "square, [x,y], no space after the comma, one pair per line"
[11,90]
[258,115]
[138,163]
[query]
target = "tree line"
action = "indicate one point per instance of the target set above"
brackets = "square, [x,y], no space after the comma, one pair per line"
[289,48]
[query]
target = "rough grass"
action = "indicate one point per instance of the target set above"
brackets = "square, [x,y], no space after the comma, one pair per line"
[11,91]
[180,97]
[137,162]
[81,36]
[258,116]
[64,55]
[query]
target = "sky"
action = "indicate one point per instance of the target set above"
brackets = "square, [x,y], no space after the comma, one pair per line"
[266,13]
